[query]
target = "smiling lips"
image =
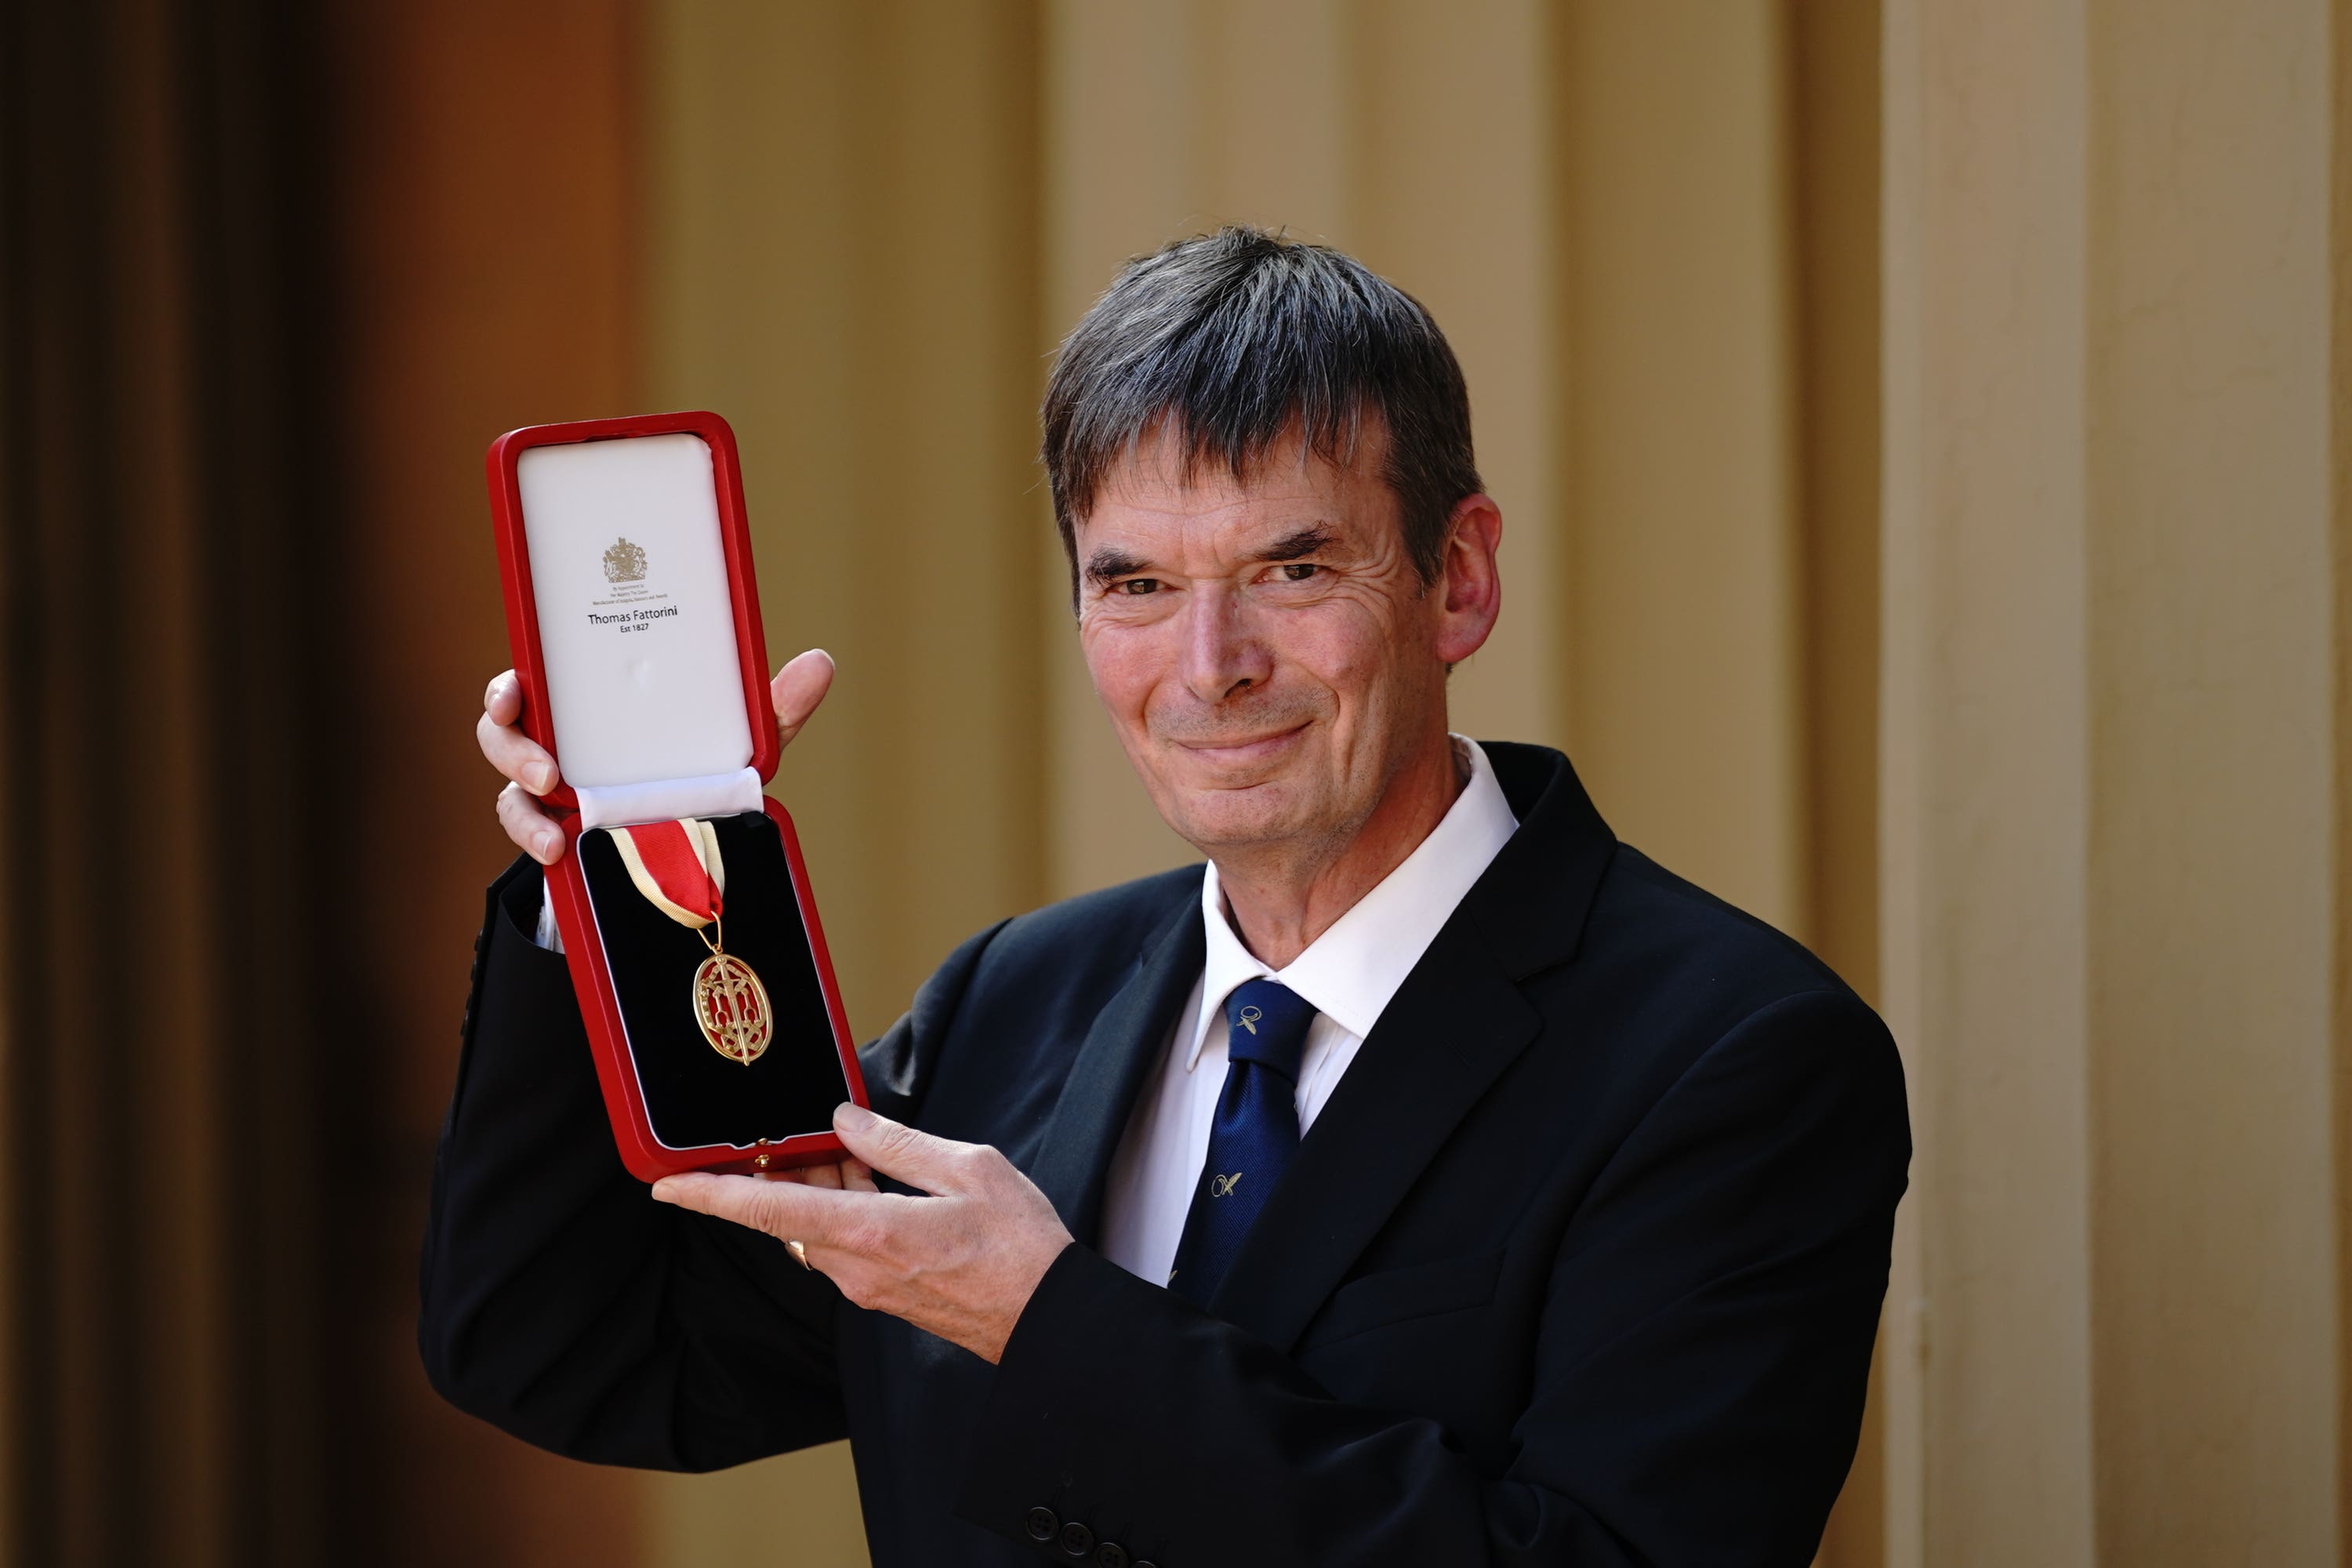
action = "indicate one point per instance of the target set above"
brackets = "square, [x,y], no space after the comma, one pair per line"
[1242,752]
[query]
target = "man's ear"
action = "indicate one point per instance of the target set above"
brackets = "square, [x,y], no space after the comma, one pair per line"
[1469,583]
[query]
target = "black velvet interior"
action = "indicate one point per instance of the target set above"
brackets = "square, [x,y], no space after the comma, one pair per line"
[694,1096]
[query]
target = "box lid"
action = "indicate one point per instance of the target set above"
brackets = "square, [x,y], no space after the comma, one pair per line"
[632,611]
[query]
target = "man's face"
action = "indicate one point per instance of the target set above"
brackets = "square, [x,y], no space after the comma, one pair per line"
[1268,653]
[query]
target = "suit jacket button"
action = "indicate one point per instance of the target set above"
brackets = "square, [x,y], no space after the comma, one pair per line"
[1076,1539]
[1043,1525]
[1110,1554]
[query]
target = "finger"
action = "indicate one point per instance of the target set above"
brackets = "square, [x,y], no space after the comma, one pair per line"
[826,1175]
[919,1159]
[796,691]
[856,1178]
[786,1210]
[529,826]
[503,701]
[516,754]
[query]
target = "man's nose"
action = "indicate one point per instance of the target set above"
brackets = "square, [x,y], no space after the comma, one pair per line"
[1223,654]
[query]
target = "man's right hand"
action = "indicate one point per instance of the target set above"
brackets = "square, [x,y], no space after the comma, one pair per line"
[530,773]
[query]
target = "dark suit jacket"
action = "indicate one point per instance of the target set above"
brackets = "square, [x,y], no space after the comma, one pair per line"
[1580,1264]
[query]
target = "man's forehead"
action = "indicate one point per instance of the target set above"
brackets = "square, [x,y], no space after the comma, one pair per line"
[1154,490]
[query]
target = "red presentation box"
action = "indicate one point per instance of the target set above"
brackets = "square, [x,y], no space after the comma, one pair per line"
[635,620]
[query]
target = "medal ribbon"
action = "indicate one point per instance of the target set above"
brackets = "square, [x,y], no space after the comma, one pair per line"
[677,867]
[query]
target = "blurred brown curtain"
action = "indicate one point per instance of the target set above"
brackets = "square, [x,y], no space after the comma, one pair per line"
[170,1076]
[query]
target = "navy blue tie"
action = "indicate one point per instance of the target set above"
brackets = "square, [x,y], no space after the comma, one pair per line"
[1253,1136]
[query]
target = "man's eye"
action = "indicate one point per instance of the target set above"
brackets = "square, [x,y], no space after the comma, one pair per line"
[1140,585]
[1298,571]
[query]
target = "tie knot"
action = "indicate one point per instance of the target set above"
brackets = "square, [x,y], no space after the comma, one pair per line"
[1266,1024]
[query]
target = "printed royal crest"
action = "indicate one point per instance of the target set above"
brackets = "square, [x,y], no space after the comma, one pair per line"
[624,563]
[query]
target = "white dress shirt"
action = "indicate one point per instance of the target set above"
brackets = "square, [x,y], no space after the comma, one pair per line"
[1348,975]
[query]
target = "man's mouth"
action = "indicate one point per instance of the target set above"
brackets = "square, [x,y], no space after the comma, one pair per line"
[1242,751]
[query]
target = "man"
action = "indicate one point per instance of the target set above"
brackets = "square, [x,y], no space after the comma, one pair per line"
[1430,1179]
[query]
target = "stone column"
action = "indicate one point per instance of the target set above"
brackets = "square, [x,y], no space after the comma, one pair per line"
[2108,780]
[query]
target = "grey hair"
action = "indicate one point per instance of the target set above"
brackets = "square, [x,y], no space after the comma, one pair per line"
[1230,340]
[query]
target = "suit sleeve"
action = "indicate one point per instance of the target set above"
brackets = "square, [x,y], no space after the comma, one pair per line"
[1695,1391]
[559,1301]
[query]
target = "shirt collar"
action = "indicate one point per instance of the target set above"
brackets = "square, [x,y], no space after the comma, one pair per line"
[1349,972]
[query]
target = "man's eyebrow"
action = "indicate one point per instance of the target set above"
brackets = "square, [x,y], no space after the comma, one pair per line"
[1299,543]
[1110,562]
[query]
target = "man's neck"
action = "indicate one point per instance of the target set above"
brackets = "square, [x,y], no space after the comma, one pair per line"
[1282,900]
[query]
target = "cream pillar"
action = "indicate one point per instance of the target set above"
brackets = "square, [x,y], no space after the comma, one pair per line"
[1984,799]
[1834,92]
[2211,893]
[2109,782]
[1680,630]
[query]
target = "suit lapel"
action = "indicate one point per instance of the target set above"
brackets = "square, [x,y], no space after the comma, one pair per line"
[1120,1051]
[1444,1039]
[1449,1033]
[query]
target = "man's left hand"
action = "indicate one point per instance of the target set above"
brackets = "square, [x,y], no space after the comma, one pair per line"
[961,1262]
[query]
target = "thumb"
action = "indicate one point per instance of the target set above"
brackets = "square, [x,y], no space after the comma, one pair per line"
[797,689]
[927,1163]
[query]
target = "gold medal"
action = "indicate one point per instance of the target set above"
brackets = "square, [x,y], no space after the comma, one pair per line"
[731,1004]
[677,867]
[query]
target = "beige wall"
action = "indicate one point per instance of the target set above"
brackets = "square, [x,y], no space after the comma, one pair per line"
[2074,828]
[2111,780]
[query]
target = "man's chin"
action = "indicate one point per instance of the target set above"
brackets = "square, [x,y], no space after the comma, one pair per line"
[1213,819]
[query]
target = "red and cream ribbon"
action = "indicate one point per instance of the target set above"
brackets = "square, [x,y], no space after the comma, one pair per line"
[677,867]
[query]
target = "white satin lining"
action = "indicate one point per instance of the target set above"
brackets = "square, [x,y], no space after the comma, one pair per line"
[669,800]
